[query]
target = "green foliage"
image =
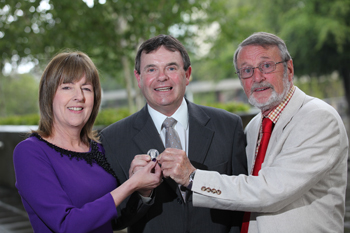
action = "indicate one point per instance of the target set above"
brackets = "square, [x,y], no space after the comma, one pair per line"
[111,115]
[33,30]
[30,119]
[234,107]
[19,95]
[316,33]
[234,18]
[322,87]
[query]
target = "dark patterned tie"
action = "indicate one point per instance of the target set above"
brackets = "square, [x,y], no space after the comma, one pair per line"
[172,139]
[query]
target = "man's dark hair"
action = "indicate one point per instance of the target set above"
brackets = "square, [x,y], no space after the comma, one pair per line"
[169,42]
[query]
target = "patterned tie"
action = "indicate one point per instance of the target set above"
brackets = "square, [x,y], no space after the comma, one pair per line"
[172,140]
[267,126]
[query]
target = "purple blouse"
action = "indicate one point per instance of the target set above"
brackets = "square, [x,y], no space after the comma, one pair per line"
[64,191]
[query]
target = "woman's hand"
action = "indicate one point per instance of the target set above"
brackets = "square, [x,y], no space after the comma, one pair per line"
[147,178]
[144,180]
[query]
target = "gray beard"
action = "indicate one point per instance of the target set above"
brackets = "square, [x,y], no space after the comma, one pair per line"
[275,99]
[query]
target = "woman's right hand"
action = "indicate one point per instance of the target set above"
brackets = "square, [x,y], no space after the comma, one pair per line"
[144,180]
[147,178]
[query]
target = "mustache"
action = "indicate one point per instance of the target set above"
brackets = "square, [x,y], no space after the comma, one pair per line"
[261,85]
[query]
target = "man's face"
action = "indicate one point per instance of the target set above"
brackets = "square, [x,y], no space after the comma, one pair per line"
[265,91]
[163,80]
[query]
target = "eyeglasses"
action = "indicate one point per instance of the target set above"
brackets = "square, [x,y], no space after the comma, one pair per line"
[264,67]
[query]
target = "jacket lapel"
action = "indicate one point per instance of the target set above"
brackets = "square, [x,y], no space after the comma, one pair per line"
[200,136]
[147,136]
[287,115]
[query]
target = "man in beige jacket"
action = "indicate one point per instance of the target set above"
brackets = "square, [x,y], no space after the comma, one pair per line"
[302,182]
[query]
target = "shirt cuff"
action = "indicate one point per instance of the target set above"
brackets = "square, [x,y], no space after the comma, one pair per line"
[146,200]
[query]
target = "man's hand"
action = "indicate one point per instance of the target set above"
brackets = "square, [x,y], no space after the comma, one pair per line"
[175,164]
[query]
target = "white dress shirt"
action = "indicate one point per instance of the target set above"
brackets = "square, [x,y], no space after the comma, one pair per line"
[181,127]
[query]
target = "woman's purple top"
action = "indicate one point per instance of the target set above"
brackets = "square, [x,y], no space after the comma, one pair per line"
[64,191]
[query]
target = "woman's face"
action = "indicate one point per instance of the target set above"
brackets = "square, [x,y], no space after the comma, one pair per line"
[72,105]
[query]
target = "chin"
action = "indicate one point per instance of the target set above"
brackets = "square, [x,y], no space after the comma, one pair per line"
[263,105]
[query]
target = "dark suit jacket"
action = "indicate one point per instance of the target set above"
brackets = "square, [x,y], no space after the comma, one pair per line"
[216,143]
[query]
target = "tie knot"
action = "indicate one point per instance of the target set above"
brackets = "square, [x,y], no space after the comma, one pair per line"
[169,122]
[267,125]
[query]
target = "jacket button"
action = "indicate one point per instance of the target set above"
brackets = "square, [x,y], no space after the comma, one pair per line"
[213,191]
[218,192]
[203,188]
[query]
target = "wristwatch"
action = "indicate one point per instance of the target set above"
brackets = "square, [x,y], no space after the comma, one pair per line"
[189,186]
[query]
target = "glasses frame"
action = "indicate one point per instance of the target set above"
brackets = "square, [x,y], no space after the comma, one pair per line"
[259,67]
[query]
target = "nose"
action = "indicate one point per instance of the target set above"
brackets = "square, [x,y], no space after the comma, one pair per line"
[258,76]
[162,76]
[79,95]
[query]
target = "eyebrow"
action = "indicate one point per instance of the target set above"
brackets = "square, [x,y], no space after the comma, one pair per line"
[153,65]
[263,57]
[172,63]
[71,82]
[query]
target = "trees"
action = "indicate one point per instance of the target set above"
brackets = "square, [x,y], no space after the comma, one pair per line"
[315,31]
[317,34]
[20,95]
[109,31]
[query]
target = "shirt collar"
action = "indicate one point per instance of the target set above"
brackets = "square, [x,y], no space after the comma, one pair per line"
[275,114]
[181,116]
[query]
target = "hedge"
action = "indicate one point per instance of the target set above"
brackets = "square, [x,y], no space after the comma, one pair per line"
[110,115]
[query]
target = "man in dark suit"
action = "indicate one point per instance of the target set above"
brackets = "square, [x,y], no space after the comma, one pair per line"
[212,139]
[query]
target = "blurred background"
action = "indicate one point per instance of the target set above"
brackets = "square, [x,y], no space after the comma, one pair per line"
[317,33]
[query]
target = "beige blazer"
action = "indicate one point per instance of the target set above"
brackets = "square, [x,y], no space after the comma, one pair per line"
[301,185]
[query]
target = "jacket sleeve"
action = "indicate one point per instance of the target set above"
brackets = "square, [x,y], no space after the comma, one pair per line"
[309,148]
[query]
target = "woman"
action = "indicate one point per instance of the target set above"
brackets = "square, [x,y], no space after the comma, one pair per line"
[64,180]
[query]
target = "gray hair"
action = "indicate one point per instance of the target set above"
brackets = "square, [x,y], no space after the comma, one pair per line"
[264,40]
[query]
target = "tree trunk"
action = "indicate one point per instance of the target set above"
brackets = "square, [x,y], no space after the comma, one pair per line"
[345,74]
[138,96]
[128,83]
[2,98]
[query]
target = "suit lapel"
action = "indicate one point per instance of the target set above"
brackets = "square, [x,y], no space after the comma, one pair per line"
[200,136]
[147,136]
[287,115]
